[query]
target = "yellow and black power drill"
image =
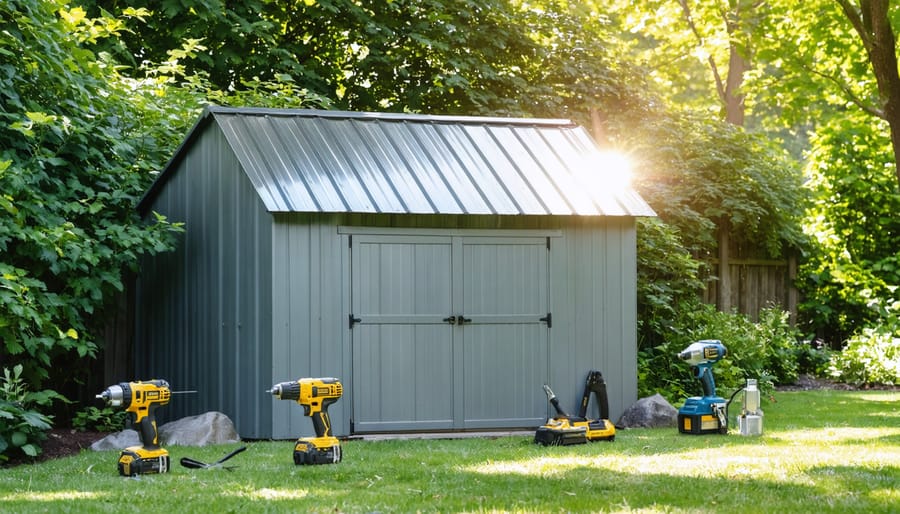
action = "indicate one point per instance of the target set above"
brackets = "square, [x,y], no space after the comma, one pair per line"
[315,395]
[141,399]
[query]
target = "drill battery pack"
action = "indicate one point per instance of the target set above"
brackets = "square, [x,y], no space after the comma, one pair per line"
[317,450]
[136,460]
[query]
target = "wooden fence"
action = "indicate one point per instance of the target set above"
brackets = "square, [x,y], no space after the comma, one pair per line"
[749,285]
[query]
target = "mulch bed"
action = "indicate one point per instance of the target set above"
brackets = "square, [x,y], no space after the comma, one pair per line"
[60,442]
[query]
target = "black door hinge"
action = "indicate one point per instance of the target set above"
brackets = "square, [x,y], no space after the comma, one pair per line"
[354,320]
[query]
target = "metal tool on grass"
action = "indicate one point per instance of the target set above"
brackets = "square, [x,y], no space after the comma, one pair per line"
[196,464]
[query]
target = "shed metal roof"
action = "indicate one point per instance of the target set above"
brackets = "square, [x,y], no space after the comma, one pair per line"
[303,160]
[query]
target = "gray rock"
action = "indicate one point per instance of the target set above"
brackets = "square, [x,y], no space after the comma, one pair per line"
[207,428]
[117,441]
[650,412]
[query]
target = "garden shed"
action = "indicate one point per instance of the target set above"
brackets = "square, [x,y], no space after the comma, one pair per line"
[443,268]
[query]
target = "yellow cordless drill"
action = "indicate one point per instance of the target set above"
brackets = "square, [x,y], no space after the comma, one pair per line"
[141,399]
[315,395]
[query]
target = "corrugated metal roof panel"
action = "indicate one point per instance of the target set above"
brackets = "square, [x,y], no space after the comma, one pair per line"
[332,161]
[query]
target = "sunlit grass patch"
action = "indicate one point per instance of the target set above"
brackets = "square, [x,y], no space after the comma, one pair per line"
[52,496]
[821,451]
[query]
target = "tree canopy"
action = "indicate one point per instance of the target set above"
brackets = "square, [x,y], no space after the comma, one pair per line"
[706,98]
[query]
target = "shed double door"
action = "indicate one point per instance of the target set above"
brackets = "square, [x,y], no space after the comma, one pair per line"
[449,332]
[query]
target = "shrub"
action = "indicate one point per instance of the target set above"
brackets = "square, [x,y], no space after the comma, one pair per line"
[660,371]
[767,350]
[871,357]
[22,428]
[813,357]
[106,419]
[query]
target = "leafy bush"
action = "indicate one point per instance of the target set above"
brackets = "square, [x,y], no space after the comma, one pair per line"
[667,281]
[870,357]
[22,428]
[660,371]
[76,152]
[767,350]
[855,228]
[813,357]
[106,419]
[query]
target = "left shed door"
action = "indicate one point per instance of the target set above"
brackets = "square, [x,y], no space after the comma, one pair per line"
[402,293]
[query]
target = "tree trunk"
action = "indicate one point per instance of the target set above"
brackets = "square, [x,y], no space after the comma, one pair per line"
[871,22]
[723,298]
[733,98]
[597,126]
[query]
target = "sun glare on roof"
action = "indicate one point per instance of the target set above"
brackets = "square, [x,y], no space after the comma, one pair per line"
[607,170]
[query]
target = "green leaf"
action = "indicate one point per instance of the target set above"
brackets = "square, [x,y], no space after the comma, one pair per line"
[18,439]
[36,420]
[39,117]
[31,450]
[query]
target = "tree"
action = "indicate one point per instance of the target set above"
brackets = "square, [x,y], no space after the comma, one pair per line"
[870,19]
[843,57]
[835,73]
[73,157]
[855,270]
[416,55]
[706,50]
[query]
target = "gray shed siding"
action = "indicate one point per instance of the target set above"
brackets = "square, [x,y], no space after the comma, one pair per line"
[206,307]
[309,281]
[592,298]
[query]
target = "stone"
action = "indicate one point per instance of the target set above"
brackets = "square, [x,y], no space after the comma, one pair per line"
[208,428]
[201,430]
[649,412]
[117,441]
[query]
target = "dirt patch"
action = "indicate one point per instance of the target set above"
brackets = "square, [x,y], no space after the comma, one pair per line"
[60,442]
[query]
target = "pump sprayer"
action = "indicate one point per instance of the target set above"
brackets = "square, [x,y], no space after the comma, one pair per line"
[751,416]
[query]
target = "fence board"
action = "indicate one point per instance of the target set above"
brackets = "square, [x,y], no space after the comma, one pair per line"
[757,284]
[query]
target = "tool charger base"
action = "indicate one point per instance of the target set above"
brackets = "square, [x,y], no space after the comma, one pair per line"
[137,460]
[699,416]
[317,450]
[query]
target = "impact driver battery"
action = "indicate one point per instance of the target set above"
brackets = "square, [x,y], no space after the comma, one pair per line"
[703,416]
[135,460]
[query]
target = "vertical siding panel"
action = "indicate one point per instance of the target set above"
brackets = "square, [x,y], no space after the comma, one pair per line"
[308,318]
[593,272]
[191,301]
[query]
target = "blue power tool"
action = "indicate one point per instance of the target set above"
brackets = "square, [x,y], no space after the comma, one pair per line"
[706,414]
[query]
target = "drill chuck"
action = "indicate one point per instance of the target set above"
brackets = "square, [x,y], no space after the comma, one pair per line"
[113,396]
[286,390]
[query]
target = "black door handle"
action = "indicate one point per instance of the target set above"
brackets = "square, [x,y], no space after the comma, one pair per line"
[548,319]
[451,320]
[463,320]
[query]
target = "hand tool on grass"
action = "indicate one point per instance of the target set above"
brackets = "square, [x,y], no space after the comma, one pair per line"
[196,464]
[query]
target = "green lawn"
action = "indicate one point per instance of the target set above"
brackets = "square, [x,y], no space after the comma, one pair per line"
[822,451]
